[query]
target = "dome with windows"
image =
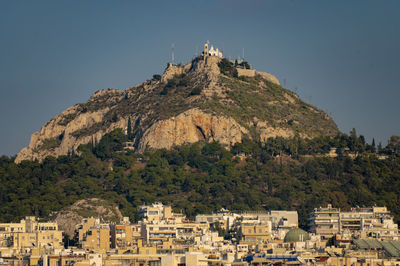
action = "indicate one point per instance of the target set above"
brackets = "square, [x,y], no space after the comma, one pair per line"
[296,235]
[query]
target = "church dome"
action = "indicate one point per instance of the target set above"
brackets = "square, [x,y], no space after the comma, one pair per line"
[296,235]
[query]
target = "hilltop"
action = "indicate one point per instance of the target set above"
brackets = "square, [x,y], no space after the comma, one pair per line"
[208,99]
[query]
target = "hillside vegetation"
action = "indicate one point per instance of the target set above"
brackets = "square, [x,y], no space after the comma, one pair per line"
[203,177]
[207,95]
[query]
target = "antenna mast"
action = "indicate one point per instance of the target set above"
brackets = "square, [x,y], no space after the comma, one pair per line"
[173,53]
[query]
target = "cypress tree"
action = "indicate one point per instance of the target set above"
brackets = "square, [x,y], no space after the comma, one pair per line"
[373,148]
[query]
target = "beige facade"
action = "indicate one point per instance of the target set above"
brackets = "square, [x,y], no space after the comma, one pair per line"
[158,212]
[374,222]
[254,233]
[97,238]
[125,235]
[85,226]
[93,235]
[155,212]
[30,233]
[325,221]
[158,233]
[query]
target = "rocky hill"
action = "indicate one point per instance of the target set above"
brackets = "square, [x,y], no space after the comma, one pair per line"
[68,217]
[205,100]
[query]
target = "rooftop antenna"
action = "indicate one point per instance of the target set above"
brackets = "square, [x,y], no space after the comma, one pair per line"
[243,53]
[173,53]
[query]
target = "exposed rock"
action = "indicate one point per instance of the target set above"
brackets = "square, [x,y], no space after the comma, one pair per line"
[68,218]
[55,139]
[269,77]
[266,131]
[189,127]
[201,104]
[171,71]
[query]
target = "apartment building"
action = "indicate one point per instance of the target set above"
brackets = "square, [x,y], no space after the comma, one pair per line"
[97,238]
[30,233]
[254,233]
[223,217]
[324,221]
[374,222]
[82,228]
[156,233]
[125,235]
[93,235]
[158,211]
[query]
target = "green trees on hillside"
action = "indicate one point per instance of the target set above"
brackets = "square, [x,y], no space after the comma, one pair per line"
[110,143]
[203,177]
[227,68]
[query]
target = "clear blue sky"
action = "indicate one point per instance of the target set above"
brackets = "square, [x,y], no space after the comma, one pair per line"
[342,56]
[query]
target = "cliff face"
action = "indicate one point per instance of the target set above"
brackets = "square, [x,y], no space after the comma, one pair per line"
[192,126]
[191,103]
[64,133]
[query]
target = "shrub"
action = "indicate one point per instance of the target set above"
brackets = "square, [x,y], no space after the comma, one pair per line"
[110,143]
[227,68]
[183,80]
[156,77]
[164,91]
[171,83]
[51,143]
[196,91]
[244,64]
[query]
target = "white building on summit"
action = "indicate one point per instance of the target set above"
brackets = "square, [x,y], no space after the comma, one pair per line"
[215,52]
[211,51]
